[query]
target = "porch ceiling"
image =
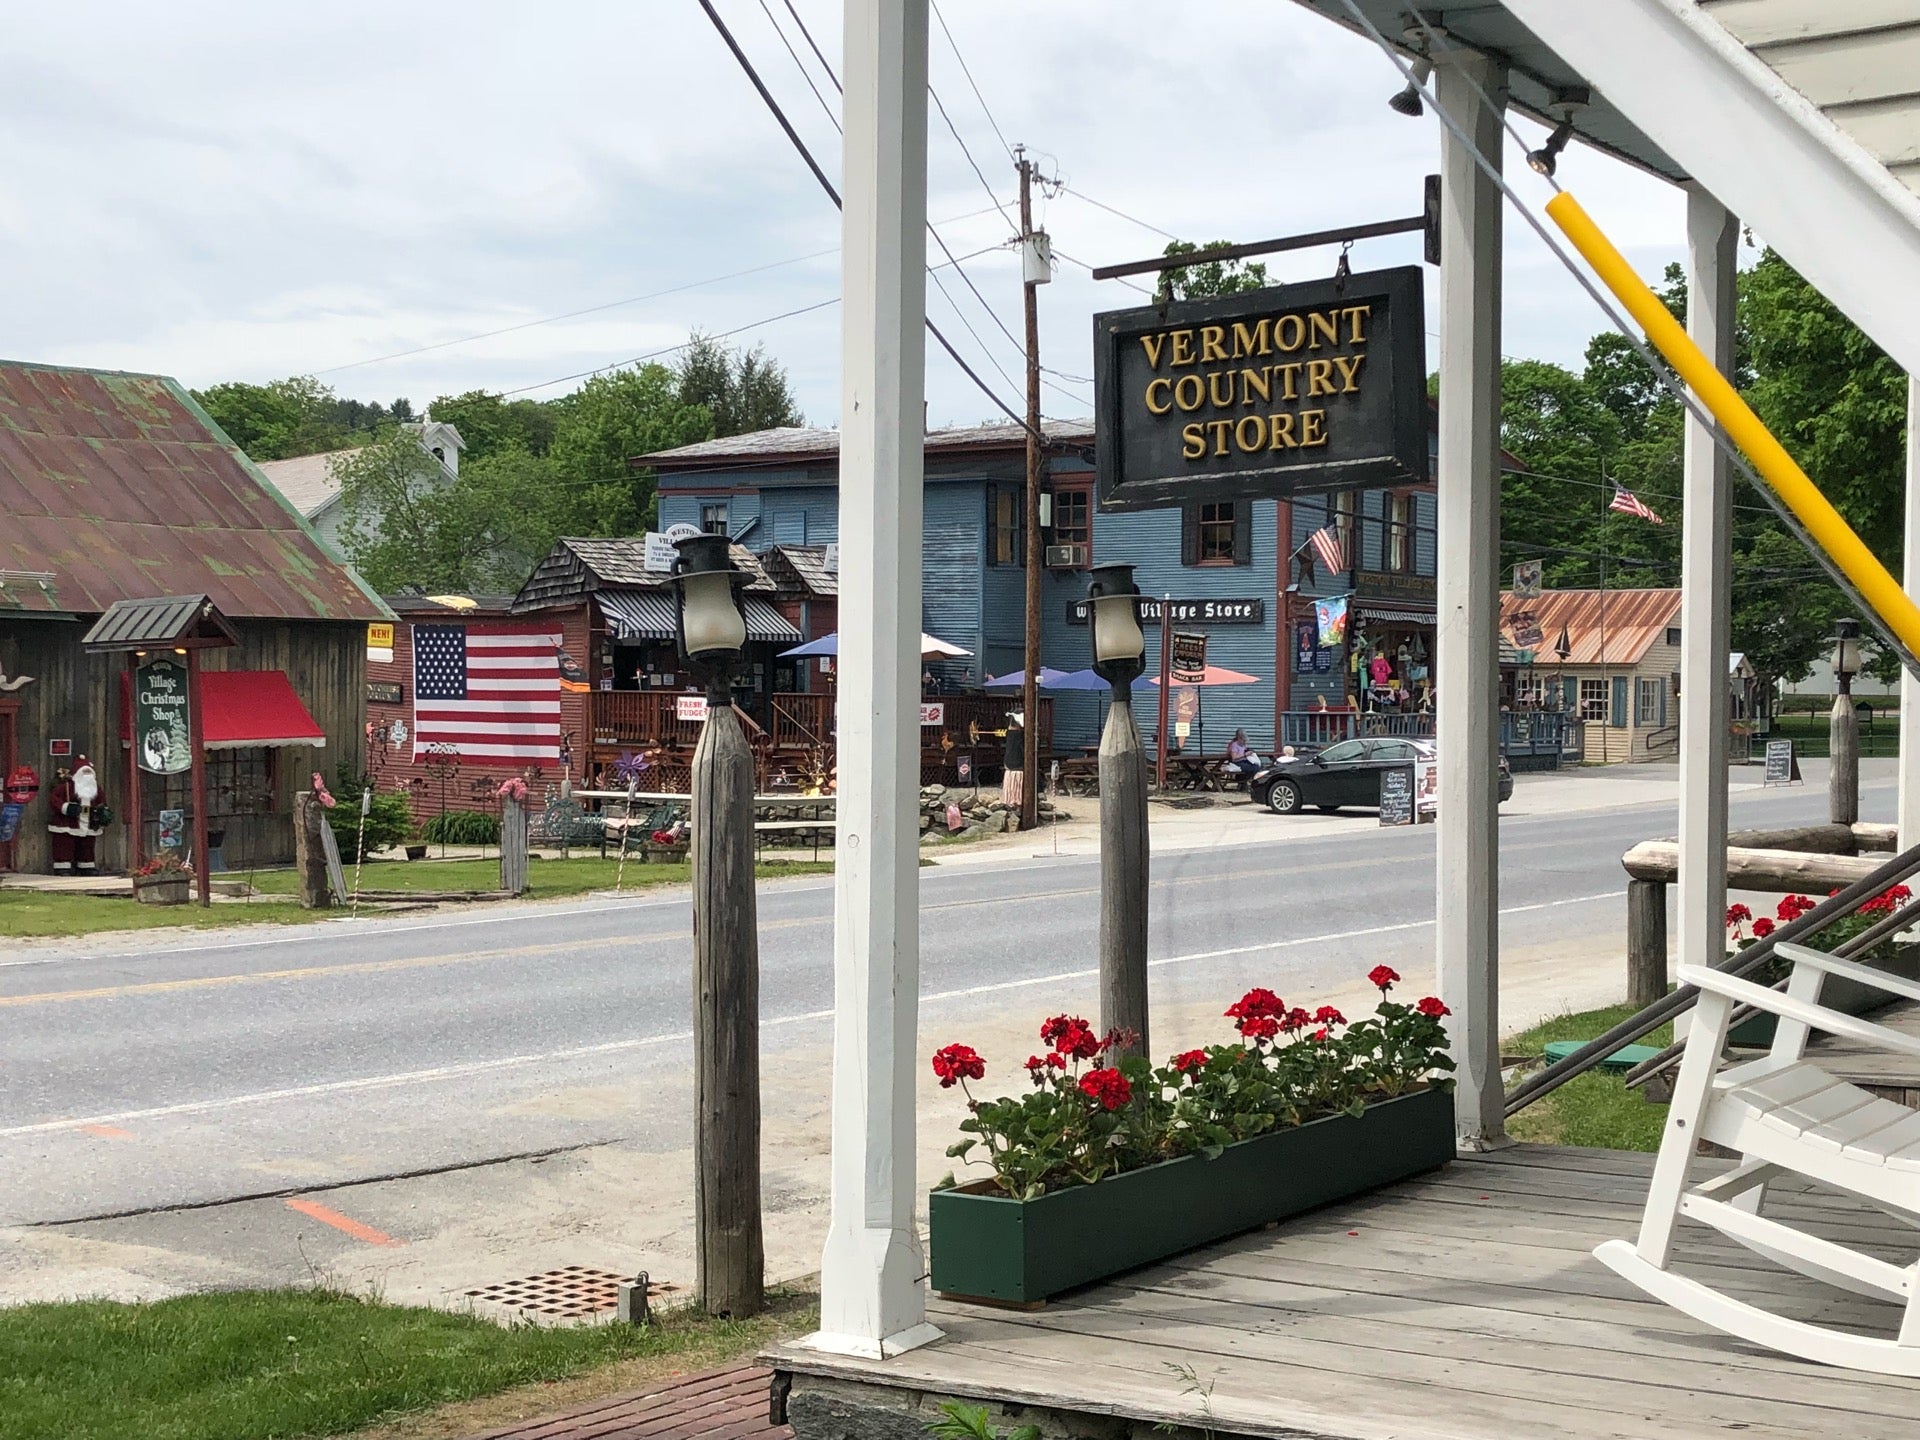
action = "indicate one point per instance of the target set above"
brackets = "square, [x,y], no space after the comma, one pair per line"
[1537,76]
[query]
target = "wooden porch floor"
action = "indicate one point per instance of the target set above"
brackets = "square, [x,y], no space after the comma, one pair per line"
[1463,1305]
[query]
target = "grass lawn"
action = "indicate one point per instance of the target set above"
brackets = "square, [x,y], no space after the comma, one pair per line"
[1597,1108]
[546,879]
[34,914]
[247,1365]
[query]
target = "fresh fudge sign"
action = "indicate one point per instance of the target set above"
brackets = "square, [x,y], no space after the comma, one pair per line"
[1315,386]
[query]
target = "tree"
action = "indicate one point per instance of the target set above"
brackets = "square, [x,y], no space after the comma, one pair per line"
[612,418]
[1216,277]
[742,391]
[488,423]
[295,416]
[403,525]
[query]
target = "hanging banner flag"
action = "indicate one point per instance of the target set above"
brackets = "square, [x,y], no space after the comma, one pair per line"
[160,730]
[1188,658]
[1525,628]
[1331,618]
[1526,580]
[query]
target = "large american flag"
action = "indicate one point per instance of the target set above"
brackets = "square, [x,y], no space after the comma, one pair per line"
[1628,503]
[492,691]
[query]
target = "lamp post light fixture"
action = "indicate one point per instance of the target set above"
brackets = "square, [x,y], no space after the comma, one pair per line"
[710,629]
[1843,727]
[1119,644]
[1119,656]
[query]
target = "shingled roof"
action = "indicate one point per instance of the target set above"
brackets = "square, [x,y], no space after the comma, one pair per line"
[123,487]
[577,566]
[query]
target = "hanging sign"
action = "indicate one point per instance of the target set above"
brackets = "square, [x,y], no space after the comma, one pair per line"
[380,642]
[1187,612]
[1526,580]
[1272,392]
[160,732]
[173,826]
[659,555]
[689,707]
[1188,658]
[963,769]
[384,692]
[10,814]
[1525,628]
[934,713]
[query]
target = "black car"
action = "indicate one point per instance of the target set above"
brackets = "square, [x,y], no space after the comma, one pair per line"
[1346,773]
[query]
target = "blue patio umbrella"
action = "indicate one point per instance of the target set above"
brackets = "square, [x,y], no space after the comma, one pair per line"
[1050,679]
[932,647]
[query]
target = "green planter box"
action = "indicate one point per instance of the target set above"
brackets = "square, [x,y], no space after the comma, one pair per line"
[1849,997]
[991,1247]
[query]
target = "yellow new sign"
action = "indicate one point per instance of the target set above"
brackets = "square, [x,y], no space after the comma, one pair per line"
[379,637]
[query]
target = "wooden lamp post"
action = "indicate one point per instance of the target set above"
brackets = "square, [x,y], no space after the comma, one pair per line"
[1843,727]
[711,632]
[1119,656]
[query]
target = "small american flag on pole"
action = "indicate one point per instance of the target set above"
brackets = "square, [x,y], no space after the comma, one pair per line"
[492,691]
[1329,548]
[1627,503]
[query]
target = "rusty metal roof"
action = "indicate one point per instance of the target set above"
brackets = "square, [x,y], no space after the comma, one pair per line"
[124,488]
[1630,622]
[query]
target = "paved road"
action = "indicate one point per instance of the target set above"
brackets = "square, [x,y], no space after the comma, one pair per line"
[179,1074]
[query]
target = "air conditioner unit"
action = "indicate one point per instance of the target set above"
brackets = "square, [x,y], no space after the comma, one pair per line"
[1067,557]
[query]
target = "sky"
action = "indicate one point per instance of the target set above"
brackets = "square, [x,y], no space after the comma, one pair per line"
[225,190]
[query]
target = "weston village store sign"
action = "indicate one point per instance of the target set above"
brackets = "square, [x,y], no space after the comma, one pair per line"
[1319,385]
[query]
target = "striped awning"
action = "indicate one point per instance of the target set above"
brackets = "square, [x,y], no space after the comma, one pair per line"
[648,615]
[1392,614]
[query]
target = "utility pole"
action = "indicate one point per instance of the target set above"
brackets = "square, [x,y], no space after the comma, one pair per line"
[1030,685]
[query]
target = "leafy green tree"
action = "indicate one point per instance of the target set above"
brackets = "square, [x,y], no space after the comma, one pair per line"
[404,524]
[614,417]
[1216,277]
[488,423]
[284,418]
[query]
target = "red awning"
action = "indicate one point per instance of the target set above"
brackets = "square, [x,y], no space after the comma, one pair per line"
[241,708]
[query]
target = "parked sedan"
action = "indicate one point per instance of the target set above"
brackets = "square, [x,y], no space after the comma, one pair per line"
[1347,773]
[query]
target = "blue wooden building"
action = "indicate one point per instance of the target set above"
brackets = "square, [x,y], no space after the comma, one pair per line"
[1242,566]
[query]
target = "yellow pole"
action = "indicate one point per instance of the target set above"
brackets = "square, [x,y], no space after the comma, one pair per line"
[1787,480]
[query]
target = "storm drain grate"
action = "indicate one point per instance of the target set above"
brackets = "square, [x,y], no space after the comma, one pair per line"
[569,1293]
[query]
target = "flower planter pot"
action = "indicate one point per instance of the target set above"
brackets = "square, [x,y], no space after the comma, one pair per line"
[987,1246]
[167,890]
[1849,997]
[416,852]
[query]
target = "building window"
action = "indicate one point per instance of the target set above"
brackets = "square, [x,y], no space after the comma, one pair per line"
[1399,533]
[1650,703]
[1216,533]
[1073,517]
[1530,692]
[1004,525]
[1593,699]
[1673,634]
[713,517]
[1344,504]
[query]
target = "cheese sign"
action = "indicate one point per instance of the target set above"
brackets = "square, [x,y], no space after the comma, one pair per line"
[1272,392]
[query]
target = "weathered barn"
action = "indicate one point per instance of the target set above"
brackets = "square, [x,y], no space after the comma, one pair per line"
[116,487]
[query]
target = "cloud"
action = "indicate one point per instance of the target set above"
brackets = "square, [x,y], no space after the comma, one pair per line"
[223,190]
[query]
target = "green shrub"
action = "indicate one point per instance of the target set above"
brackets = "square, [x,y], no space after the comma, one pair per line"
[389,821]
[464,827]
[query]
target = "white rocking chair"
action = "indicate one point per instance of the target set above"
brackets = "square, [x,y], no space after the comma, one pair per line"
[1784,1115]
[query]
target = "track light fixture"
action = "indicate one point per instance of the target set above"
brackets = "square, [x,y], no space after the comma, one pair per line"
[1547,157]
[1407,102]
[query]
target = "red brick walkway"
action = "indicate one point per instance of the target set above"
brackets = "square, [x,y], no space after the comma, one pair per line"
[719,1405]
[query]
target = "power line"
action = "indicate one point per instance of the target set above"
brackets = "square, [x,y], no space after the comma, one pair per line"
[813,47]
[1075,260]
[967,71]
[1130,219]
[954,131]
[807,155]
[800,65]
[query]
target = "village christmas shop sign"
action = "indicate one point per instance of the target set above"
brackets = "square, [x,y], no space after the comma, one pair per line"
[1315,386]
[160,728]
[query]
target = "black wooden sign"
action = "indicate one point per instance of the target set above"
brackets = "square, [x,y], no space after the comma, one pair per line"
[1315,386]
[383,692]
[1396,795]
[1187,658]
[1783,767]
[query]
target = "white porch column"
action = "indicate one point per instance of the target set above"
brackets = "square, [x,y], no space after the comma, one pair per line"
[1909,816]
[871,1298]
[1467,663]
[1706,586]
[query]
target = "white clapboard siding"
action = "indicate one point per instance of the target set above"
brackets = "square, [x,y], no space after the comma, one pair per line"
[1859,61]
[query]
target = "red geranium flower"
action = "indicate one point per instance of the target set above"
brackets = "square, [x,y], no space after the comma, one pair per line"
[1056,1061]
[1256,1004]
[1432,1006]
[1319,1034]
[1383,977]
[1109,1087]
[958,1062]
[1051,1030]
[1190,1062]
[1737,912]
[1762,928]
[1792,907]
[1327,1015]
[1259,1027]
[1899,894]
[1295,1019]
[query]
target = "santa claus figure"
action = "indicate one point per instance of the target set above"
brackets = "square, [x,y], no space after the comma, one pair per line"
[75,818]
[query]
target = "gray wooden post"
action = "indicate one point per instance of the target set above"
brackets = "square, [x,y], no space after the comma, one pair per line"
[1124,868]
[1843,766]
[310,852]
[1646,942]
[726,1009]
[513,846]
